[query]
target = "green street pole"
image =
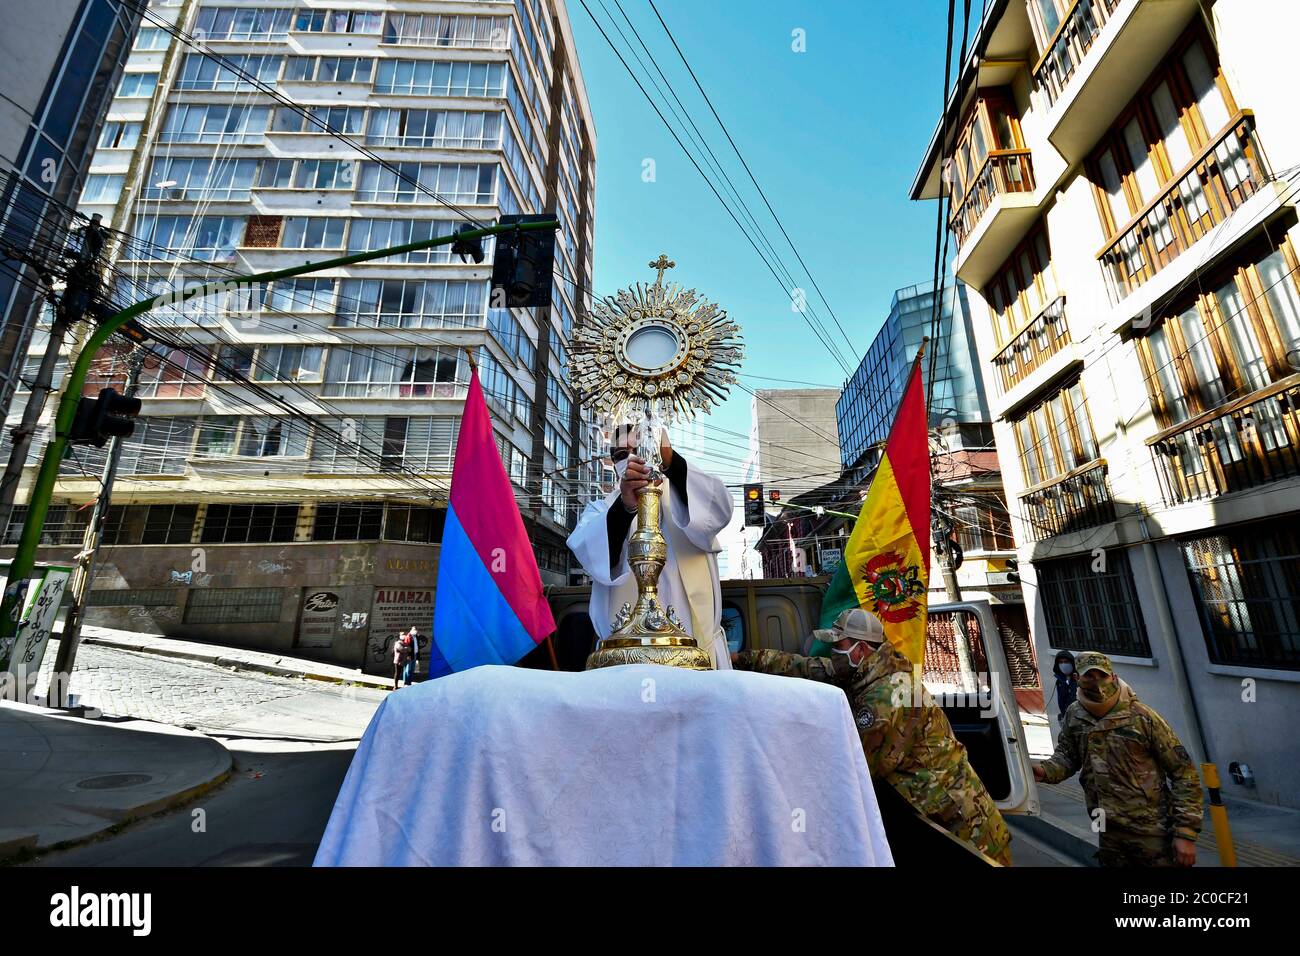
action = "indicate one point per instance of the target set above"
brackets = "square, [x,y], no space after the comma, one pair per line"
[24,559]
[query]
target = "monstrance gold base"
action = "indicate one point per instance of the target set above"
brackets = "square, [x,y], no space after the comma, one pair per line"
[669,651]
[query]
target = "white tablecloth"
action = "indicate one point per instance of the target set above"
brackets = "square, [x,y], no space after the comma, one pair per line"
[638,765]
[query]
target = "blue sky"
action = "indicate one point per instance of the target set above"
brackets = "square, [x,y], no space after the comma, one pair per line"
[834,135]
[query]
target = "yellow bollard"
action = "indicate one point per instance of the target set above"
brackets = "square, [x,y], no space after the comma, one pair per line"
[1219,816]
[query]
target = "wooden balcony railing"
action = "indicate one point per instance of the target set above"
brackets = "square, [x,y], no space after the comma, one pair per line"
[1004,171]
[1080,499]
[1226,173]
[1033,345]
[1247,443]
[1069,45]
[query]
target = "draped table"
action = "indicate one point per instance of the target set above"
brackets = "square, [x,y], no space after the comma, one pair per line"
[640,765]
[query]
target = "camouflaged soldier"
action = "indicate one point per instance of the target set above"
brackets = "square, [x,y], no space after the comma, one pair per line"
[911,747]
[1132,766]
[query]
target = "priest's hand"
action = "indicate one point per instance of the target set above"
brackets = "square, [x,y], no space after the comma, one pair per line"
[665,449]
[636,477]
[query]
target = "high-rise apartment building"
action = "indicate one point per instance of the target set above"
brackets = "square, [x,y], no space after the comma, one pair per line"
[1122,185]
[273,133]
[58,63]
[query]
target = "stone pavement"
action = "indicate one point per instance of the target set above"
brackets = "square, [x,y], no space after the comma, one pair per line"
[218,699]
[261,661]
[64,779]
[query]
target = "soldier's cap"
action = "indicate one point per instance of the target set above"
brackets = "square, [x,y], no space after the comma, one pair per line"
[1093,661]
[855,624]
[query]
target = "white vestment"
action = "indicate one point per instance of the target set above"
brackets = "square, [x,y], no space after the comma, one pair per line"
[689,582]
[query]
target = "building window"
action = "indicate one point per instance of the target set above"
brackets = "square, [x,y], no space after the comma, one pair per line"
[424,444]
[445,129]
[470,183]
[174,374]
[329,69]
[288,363]
[338,21]
[119,135]
[1091,605]
[202,72]
[989,158]
[367,235]
[1022,288]
[137,85]
[199,179]
[64,525]
[251,524]
[169,524]
[413,303]
[273,437]
[210,238]
[414,523]
[1055,436]
[1239,335]
[133,597]
[438,29]
[383,372]
[313,232]
[102,188]
[433,78]
[300,295]
[152,38]
[348,522]
[1246,581]
[213,123]
[320,119]
[242,23]
[233,606]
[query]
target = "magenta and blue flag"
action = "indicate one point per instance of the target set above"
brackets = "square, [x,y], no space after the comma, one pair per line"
[489,607]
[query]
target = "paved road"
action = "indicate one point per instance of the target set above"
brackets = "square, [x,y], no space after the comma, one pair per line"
[271,812]
[215,700]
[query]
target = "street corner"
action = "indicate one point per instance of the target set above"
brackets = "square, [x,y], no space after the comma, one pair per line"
[66,779]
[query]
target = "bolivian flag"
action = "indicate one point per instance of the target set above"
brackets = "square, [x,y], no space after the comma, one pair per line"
[886,566]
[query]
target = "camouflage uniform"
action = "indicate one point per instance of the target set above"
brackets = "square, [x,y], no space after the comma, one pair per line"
[1133,767]
[911,748]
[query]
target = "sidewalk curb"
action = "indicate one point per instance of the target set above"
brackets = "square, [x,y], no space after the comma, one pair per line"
[1058,838]
[23,846]
[220,661]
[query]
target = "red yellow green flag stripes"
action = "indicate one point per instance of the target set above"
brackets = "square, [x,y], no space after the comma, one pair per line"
[886,566]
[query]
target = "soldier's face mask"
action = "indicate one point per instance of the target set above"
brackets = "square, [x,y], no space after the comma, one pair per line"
[1067,668]
[1100,691]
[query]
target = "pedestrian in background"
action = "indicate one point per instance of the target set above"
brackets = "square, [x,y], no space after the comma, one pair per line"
[1067,682]
[413,662]
[1138,779]
[401,656]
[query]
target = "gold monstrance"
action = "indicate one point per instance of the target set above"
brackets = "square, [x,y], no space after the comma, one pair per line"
[653,354]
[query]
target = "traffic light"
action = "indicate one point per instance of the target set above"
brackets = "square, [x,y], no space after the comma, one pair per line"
[99,419]
[523,264]
[468,248]
[1013,571]
[754,517]
[774,496]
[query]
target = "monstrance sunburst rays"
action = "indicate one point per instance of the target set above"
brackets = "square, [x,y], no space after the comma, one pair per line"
[658,350]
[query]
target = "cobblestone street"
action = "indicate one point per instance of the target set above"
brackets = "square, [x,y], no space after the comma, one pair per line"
[213,699]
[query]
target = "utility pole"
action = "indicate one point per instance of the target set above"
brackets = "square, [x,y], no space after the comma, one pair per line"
[84,573]
[80,293]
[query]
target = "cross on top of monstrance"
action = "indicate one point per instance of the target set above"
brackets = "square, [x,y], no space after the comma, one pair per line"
[662,263]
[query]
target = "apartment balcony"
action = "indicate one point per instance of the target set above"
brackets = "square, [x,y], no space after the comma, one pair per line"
[1033,346]
[1228,172]
[1251,442]
[1080,499]
[994,214]
[1098,58]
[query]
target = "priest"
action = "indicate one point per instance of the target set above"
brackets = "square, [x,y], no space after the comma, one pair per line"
[694,509]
